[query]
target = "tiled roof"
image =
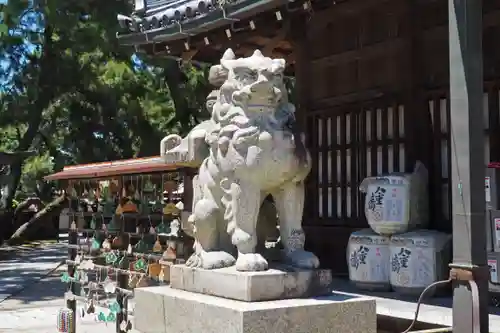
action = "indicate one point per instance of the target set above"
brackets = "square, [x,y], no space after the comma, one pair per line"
[114,168]
[163,20]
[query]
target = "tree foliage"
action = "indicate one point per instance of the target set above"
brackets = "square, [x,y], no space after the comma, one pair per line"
[70,92]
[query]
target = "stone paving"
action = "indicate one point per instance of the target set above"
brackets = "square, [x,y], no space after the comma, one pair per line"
[31,292]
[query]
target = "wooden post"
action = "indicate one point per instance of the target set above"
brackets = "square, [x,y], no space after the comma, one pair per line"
[468,167]
[72,251]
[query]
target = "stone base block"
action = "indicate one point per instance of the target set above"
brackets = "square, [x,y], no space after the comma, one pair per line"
[279,282]
[166,310]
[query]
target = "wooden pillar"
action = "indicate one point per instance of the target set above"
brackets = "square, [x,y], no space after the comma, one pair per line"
[298,37]
[187,197]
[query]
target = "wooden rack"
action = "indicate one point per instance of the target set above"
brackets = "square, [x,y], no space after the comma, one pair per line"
[122,232]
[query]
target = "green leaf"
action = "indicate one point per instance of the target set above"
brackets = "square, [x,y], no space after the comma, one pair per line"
[4,29]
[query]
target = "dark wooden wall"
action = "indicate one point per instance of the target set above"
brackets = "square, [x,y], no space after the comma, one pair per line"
[372,89]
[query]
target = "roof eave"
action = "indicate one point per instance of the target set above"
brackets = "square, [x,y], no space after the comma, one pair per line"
[210,21]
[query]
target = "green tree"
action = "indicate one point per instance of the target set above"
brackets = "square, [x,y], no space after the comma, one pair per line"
[73,94]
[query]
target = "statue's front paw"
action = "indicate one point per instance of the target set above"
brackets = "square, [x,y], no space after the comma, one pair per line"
[251,262]
[210,260]
[302,259]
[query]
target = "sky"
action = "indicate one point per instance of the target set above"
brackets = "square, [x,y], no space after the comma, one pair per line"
[4,64]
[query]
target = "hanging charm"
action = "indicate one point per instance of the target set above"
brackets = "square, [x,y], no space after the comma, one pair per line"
[65,277]
[129,249]
[84,278]
[109,287]
[157,246]
[101,316]
[170,253]
[123,326]
[96,245]
[115,307]
[65,321]
[117,242]
[154,270]
[152,230]
[111,317]
[162,228]
[140,265]
[90,307]
[137,195]
[141,246]
[87,265]
[106,245]
[111,258]
[93,223]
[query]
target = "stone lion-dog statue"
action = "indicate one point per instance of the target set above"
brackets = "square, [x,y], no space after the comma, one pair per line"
[254,150]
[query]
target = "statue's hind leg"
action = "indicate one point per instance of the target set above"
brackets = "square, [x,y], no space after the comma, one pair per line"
[289,202]
[242,201]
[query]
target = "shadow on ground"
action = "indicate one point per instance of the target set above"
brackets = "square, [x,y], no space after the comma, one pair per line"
[22,267]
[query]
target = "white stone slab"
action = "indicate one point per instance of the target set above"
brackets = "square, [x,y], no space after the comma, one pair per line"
[281,282]
[165,310]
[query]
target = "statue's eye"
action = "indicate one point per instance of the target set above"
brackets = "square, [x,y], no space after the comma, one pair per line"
[278,76]
[252,75]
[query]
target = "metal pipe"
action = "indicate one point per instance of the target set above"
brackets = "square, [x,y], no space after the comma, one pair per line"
[435,330]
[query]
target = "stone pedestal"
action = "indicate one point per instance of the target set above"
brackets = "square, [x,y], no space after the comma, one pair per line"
[279,282]
[165,310]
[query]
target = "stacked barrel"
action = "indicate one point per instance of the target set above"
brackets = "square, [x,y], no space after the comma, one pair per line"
[397,252]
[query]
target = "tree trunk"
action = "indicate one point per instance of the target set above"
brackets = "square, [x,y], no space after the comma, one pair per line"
[175,79]
[45,95]
[38,216]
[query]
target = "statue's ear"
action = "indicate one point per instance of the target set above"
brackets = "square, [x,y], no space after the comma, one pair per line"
[225,61]
[229,55]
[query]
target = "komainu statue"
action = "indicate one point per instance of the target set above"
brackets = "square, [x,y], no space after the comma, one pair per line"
[253,151]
